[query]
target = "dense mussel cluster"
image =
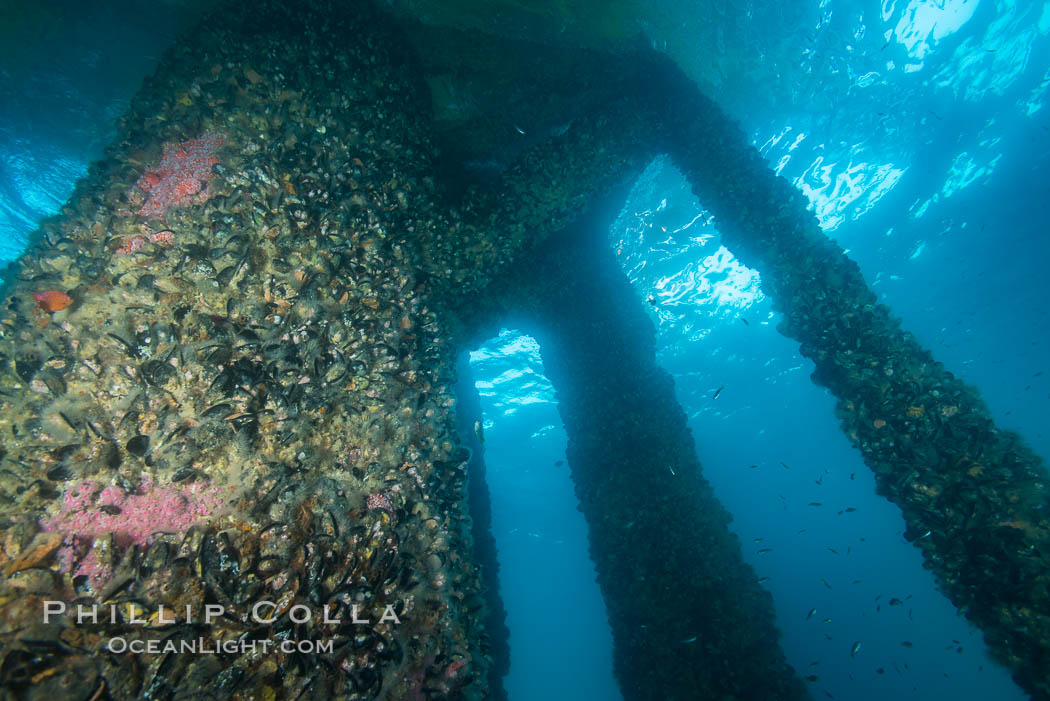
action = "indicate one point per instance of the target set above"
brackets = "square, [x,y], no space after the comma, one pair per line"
[553,129]
[269,341]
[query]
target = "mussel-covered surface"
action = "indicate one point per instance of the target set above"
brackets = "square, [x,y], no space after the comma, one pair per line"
[224,384]
[537,136]
[975,497]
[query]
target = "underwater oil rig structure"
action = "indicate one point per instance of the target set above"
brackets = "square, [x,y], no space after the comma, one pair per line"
[229,371]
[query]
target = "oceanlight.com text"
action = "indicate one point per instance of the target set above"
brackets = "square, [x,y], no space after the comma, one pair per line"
[201,646]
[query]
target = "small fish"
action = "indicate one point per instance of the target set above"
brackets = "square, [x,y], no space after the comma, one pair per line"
[718,392]
[689,640]
[52,300]
[833,550]
[849,509]
[855,649]
[763,579]
[759,540]
[815,503]
[896,602]
[479,432]
[745,321]
[754,467]
[907,643]
[520,130]
[811,614]
[559,463]
[786,466]
[825,582]
[827,620]
[765,550]
[812,677]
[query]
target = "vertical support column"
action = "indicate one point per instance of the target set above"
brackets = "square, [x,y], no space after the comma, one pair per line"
[223,385]
[496,637]
[975,497]
[689,619]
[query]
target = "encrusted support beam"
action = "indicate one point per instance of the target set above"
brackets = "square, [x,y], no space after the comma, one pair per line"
[539,194]
[548,131]
[689,618]
[224,384]
[496,638]
[975,497]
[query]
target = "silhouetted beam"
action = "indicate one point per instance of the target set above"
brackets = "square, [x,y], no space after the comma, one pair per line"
[689,619]
[495,641]
[974,497]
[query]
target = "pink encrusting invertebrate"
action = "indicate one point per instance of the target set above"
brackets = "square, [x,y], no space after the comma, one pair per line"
[181,176]
[91,510]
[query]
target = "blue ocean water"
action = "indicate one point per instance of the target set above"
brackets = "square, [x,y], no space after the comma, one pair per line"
[919,131]
[69,71]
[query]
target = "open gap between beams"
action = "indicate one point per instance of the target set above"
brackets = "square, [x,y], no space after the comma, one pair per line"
[559,636]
